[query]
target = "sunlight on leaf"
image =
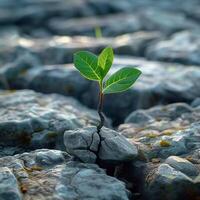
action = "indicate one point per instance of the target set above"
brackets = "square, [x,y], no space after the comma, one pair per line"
[121,80]
[105,60]
[87,65]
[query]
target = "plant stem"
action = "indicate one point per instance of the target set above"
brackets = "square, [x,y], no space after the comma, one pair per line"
[100,107]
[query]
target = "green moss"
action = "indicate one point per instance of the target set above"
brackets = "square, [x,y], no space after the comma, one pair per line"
[168,132]
[164,143]
[152,135]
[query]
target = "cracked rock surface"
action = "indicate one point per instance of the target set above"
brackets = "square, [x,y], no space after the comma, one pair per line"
[168,141]
[51,175]
[31,120]
[49,145]
[162,131]
[107,146]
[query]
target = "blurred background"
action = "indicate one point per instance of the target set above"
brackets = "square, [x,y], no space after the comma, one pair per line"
[33,24]
[38,39]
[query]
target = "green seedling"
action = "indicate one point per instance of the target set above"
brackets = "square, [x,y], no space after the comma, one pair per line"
[96,68]
[98,32]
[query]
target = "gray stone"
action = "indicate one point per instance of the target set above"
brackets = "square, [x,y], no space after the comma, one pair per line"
[165,21]
[37,12]
[109,146]
[183,47]
[83,143]
[138,117]
[194,156]
[196,102]
[50,157]
[50,174]
[60,49]
[160,83]
[89,182]
[151,19]
[8,185]
[43,79]
[115,147]
[31,120]
[170,112]
[167,183]
[172,130]
[86,26]
[35,19]
[182,165]
[11,71]
[156,180]
[31,53]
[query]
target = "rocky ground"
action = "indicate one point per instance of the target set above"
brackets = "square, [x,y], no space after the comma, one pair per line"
[149,148]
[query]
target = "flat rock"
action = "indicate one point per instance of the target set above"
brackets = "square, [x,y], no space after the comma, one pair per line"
[31,120]
[156,151]
[83,144]
[115,147]
[160,83]
[162,182]
[28,72]
[183,47]
[156,180]
[108,146]
[32,17]
[164,130]
[182,165]
[143,19]
[50,174]
[8,185]
[37,12]
[165,21]
[60,49]
[86,26]
[196,102]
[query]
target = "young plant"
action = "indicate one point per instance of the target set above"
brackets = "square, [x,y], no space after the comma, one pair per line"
[96,68]
[98,32]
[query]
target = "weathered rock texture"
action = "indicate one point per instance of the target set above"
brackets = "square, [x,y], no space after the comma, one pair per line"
[168,142]
[108,146]
[50,174]
[32,120]
[160,157]
[160,83]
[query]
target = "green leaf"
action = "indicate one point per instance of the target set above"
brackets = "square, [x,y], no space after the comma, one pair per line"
[87,64]
[121,80]
[105,60]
